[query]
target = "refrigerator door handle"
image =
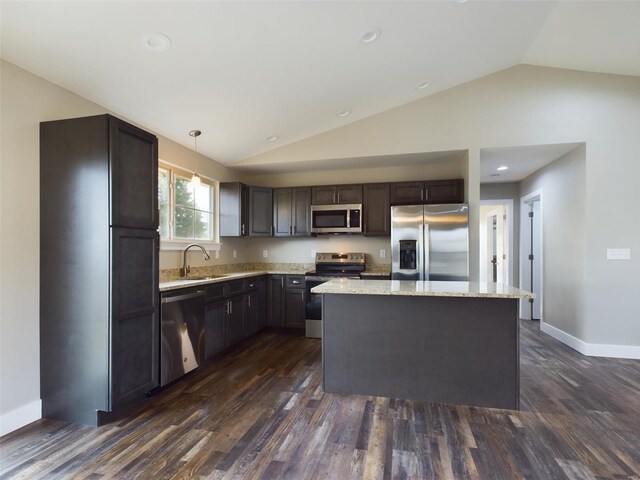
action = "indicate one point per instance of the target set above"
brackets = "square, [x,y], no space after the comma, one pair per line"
[427,245]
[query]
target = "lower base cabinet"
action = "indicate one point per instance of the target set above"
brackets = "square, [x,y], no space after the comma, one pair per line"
[214,328]
[294,308]
[234,320]
[286,301]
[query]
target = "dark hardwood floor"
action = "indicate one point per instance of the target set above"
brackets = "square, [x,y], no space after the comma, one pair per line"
[260,412]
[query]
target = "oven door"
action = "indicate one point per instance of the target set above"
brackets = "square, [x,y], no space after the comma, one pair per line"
[313,309]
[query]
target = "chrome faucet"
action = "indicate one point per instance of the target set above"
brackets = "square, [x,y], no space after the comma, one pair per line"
[186,268]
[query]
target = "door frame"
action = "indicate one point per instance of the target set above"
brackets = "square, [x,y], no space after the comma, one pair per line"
[524,250]
[508,204]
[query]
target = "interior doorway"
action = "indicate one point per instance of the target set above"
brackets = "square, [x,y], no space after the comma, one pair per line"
[531,255]
[496,241]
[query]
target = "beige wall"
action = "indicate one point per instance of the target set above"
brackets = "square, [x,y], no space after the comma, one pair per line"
[528,105]
[562,186]
[26,101]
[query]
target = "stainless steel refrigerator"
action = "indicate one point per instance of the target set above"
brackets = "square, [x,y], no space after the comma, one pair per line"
[430,242]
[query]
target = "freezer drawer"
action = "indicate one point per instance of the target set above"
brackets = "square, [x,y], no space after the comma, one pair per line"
[182,333]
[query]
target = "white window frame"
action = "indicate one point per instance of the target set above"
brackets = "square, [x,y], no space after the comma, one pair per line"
[173,244]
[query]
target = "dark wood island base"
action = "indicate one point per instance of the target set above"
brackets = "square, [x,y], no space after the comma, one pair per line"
[445,349]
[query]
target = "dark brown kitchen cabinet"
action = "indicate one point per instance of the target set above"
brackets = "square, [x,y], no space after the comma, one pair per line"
[292,212]
[332,194]
[251,306]
[99,294]
[276,300]
[245,211]
[234,320]
[263,302]
[295,308]
[376,210]
[214,321]
[260,211]
[429,192]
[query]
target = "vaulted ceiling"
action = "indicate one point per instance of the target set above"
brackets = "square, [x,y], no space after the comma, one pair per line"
[245,71]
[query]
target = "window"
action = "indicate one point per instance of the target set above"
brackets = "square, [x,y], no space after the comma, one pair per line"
[186,213]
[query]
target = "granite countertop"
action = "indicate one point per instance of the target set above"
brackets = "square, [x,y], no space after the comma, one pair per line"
[225,277]
[421,288]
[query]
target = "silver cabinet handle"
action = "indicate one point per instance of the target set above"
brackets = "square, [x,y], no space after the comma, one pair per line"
[290,230]
[242,229]
[426,194]
[338,198]
[334,198]
[230,307]
[249,300]
[295,282]
[422,194]
[295,229]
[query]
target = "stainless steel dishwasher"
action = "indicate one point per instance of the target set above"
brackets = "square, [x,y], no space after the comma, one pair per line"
[182,333]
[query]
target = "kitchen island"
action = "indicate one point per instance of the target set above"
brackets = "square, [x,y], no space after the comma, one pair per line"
[449,342]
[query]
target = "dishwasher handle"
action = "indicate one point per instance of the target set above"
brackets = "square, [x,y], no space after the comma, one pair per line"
[177,298]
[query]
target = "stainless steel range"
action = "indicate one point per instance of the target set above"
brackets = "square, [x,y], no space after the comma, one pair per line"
[328,267]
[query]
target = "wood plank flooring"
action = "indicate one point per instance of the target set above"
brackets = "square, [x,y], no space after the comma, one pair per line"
[260,413]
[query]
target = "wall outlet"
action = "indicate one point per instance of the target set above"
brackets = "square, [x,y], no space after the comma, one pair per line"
[235,254]
[618,254]
[313,254]
[383,253]
[265,253]
[217,253]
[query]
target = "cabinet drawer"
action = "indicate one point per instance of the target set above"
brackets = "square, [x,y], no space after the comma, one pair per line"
[215,292]
[250,284]
[295,281]
[233,287]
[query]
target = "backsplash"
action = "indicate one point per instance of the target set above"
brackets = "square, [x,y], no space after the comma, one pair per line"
[173,274]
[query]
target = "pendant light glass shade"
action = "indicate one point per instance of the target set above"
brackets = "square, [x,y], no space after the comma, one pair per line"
[195,179]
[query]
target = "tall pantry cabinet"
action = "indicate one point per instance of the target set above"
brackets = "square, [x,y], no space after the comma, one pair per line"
[99,311]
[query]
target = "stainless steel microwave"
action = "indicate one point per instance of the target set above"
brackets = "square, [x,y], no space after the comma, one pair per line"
[336,218]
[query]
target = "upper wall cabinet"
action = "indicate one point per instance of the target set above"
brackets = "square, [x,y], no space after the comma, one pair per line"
[245,211]
[429,192]
[291,212]
[332,194]
[376,210]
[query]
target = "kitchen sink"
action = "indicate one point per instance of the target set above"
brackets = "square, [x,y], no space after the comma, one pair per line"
[207,277]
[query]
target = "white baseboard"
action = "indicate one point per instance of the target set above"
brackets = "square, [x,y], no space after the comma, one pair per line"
[592,349]
[20,417]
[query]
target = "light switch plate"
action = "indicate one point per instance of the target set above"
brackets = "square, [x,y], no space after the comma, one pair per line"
[265,253]
[383,253]
[235,254]
[217,253]
[618,254]
[313,254]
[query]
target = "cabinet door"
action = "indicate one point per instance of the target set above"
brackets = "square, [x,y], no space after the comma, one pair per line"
[263,303]
[349,194]
[260,211]
[231,212]
[295,308]
[214,328]
[282,212]
[407,193]
[444,191]
[251,314]
[276,301]
[325,195]
[234,320]
[376,210]
[301,211]
[133,160]
[134,314]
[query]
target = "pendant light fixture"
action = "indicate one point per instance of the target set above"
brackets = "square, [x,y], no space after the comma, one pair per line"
[195,179]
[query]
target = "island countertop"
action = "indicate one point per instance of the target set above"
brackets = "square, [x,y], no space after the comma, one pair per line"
[421,288]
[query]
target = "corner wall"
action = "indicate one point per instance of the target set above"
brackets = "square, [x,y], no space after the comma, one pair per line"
[26,101]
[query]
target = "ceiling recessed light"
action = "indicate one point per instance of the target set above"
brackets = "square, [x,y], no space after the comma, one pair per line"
[494,175]
[423,85]
[157,42]
[344,113]
[463,1]
[502,168]
[272,138]
[370,35]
